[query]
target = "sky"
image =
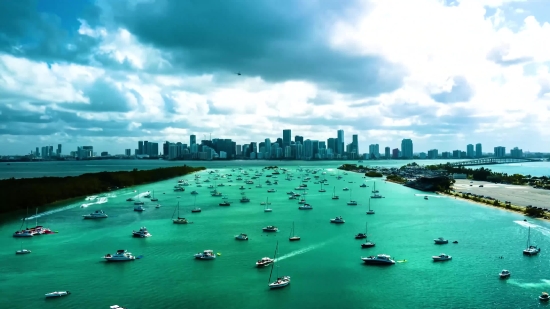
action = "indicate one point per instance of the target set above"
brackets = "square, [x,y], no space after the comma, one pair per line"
[445,73]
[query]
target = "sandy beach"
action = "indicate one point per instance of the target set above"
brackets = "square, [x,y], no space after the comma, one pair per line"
[517,195]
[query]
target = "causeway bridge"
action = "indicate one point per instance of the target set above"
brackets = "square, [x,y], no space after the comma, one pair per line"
[489,161]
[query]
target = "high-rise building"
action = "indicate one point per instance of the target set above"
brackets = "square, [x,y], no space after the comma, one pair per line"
[395,153]
[140,147]
[37,152]
[355,143]
[479,154]
[288,152]
[387,153]
[470,151]
[239,150]
[457,154]
[128,152]
[407,148]
[58,153]
[331,144]
[500,151]
[299,139]
[340,142]
[308,149]
[286,138]
[374,151]
[315,149]
[267,155]
[299,151]
[516,153]
[165,148]
[432,154]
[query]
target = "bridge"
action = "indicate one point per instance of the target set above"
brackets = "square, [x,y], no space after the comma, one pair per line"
[489,161]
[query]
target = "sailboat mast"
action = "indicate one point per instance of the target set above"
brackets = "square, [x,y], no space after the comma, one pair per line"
[528,237]
[36,217]
[272,264]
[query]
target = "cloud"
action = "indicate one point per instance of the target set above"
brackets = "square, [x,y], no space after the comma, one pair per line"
[460,92]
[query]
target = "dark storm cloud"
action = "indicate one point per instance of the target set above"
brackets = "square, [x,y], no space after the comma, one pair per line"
[103,97]
[33,29]
[460,92]
[498,54]
[277,40]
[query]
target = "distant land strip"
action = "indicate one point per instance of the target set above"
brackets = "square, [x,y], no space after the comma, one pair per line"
[31,193]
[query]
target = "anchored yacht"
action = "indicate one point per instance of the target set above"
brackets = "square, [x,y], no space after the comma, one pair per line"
[98,214]
[119,256]
[265,261]
[381,259]
[441,241]
[57,294]
[441,257]
[337,220]
[205,255]
[142,233]
[241,236]
[270,228]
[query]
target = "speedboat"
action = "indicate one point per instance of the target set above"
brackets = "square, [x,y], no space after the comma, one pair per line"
[241,236]
[363,186]
[504,274]
[119,256]
[98,214]
[23,233]
[425,197]
[57,294]
[196,209]
[142,233]
[271,190]
[381,259]
[205,255]
[442,257]
[194,192]
[305,207]
[225,203]
[532,250]
[337,220]
[23,251]
[116,307]
[441,241]
[270,228]
[139,208]
[544,297]
[360,236]
[280,282]
[265,261]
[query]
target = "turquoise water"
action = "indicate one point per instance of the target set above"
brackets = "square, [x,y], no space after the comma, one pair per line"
[325,265]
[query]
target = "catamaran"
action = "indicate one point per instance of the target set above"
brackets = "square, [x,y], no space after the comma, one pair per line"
[530,250]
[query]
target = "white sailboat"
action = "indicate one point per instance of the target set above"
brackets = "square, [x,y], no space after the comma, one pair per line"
[367,244]
[530,250]
[293,237]
[179,219]
[267,209]
[154,199]
[351,202]
[334,196]
[281,282]
[22,251]
[322,190]
[370,211]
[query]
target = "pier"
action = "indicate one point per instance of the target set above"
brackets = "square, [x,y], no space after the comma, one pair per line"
[489,161]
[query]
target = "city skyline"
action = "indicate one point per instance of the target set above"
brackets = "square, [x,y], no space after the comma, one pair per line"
[476,73]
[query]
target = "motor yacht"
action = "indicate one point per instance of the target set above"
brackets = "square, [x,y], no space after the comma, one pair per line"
[205,255]
[504,274]
[381,259]
[544,297]
[196,209]
[265,261]
[368,244]
[119,256]
[441,257]
[142,233]
[244,199]
[23,251]
[57,294]
[280,282]
[337,220]
[270,228]
[194,192]
[271,190]
[305,207]
[224,203]
[360,236]
[441,241]
[98,214]
[241,236]
[139,208]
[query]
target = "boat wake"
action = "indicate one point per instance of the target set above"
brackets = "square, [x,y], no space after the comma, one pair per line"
[301,251]
[97,200]
[543,230]
[544,283]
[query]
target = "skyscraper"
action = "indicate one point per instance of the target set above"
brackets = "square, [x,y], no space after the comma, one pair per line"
[374,151]
[470,151]
[387,153]
[500,151]
[340,142]
[267,146]
[286,138]
[192,139]
[355,144]
[308,150]
[407,148]
[479,153]
[140,148]
[58,150]
[299,139]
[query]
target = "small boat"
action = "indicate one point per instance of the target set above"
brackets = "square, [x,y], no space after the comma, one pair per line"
[179,219]
[179,189]
[196,209]
[455,242]
[363,186]
[139,203]
[367,244]
[337,220]
[305,207]
[241,236]
[129,199]
[116,307]
[345,189]
[244,199]
[441,257]
[544,297]
[157,206]
[531,250]
[98,214]
[265,261]
[139,208]
[205,255]
[334,196]
[22,251]
[270,228]
[281,281]
[142,233]
[267,209]
[271,190]
[194,192]
[504,274]
[425,197]
[224,203]
[119,256]
[441,241]
[57,294]
[381,259]
[293,237]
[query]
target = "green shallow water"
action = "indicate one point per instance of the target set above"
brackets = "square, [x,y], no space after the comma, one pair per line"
[325,265]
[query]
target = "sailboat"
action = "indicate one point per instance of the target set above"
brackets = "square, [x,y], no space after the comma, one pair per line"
[374,188]
[195,208]
[22,251]
[293,237]
[530,250]
[370,212]
[267,209]
[179,220]
[26,232]
[351,202]
[322,190]
[154,199]
[334,196]
[281,282]
[367,244]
